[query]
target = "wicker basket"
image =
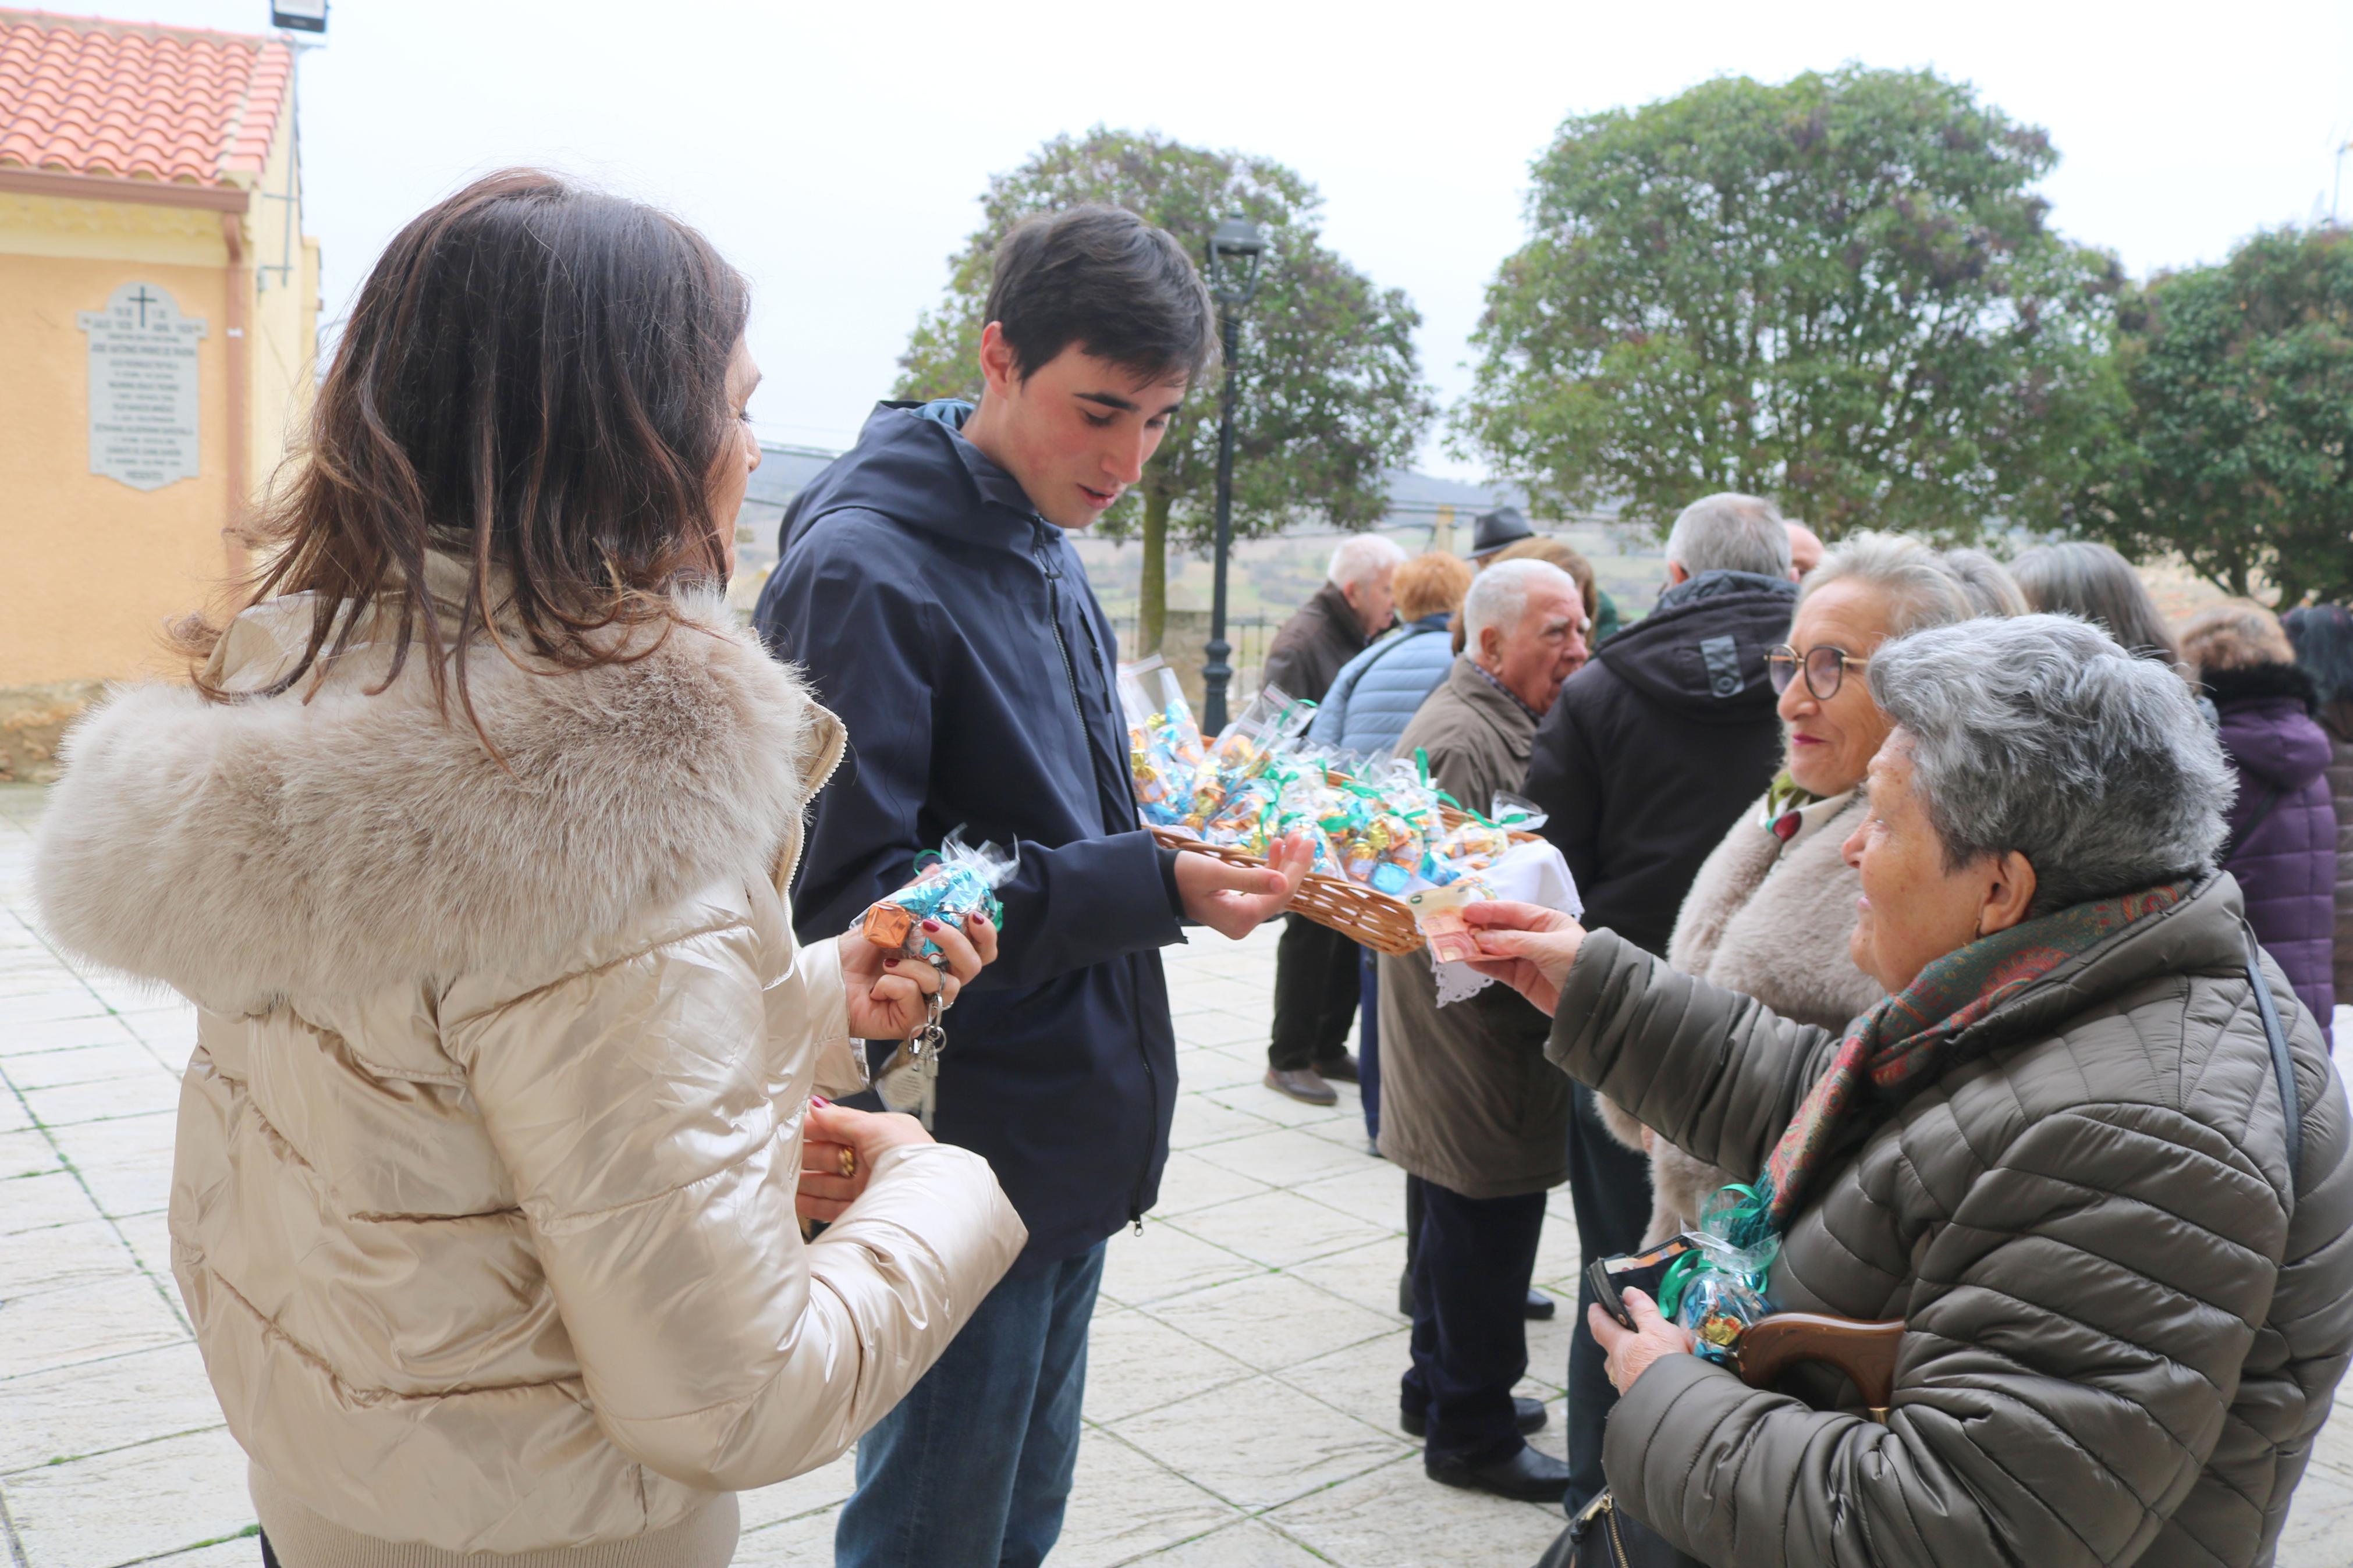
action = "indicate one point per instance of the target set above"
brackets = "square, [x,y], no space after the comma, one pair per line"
[1378,920]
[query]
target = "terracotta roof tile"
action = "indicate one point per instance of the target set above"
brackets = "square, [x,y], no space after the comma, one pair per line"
[87,96]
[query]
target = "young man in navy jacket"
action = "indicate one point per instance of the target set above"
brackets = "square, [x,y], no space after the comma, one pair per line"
[927,586]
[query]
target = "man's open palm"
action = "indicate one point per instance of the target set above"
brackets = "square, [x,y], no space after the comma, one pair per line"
[1235,900]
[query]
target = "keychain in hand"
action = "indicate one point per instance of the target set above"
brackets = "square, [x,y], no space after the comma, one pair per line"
[924,1050]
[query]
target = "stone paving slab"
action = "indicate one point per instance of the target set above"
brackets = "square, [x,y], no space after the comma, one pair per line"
[1241,1401]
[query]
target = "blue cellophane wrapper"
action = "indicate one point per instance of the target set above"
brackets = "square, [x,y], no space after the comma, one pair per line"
[962,879]
[1723,1287]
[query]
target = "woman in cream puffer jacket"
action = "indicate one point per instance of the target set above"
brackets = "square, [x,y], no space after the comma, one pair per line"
[490,1151]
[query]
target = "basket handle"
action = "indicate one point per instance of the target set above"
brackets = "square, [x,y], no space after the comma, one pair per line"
[1865,1351]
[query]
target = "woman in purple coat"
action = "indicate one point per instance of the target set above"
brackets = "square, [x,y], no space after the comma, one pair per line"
[2282,843]
[2323,636]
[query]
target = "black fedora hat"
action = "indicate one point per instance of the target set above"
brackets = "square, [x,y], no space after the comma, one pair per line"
[1496,529]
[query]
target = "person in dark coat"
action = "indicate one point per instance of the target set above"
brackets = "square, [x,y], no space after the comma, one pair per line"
[2282,843]
[1318,971]
[2323,636]
[926,586]
[1357,604]
[1653,751]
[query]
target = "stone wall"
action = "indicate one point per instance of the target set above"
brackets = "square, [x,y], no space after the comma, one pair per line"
[32,721]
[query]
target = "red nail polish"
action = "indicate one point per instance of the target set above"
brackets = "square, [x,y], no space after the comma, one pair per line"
[819,1100]
[931,925]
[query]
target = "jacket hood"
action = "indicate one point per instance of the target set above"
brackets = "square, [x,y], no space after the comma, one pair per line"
[911,465]
[2266,724]
[1703,652]
[245,850]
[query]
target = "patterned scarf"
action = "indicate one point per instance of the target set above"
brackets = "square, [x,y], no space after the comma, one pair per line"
[1900,1045]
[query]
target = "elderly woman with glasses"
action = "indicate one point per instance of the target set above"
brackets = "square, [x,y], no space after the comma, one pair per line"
[1771,910]
[2090,1150]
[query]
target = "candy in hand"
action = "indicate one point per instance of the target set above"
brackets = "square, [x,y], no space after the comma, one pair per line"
[956,883]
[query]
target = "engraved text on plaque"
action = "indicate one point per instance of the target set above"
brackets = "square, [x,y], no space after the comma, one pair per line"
[143,388]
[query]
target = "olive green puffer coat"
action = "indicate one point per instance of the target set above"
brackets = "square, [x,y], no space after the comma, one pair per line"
[2124,1332]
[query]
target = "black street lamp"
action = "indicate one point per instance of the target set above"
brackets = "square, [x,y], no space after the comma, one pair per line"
[1235,250]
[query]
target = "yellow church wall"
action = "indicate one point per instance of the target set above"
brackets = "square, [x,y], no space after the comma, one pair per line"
[96,568]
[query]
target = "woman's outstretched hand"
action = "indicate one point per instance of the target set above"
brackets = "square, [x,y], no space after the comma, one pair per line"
[1528,947]
[1632,1351]
[838,1150]
[889,996]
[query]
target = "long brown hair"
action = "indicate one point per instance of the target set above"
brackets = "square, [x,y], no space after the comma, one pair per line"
[534,378]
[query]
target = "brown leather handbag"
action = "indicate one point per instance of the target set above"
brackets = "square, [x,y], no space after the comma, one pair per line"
[1606,1536]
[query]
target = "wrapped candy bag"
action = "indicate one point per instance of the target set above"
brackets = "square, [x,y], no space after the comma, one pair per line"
[1272,720]
[1718,1289]
[1244,819]
[956,881]
[1476,843]
[1164,749]
[1266,730]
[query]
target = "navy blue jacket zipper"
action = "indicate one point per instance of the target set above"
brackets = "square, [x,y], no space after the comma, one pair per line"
[1070,675]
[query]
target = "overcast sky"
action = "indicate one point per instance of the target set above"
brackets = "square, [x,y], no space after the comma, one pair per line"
[834,152]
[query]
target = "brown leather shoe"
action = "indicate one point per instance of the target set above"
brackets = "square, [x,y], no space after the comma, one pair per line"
[1303,1085]
[1341,1069]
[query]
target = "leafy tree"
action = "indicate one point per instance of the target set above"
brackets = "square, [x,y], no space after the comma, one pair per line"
[1331,393]
[2241,378]
[1838,292]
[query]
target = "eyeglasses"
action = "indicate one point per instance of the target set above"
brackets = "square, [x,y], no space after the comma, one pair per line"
[1825,668]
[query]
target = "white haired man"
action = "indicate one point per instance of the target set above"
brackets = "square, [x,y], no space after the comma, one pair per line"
[1316,969]
[1470,1108]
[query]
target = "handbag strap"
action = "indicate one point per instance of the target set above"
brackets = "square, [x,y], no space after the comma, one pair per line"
[2283,1064]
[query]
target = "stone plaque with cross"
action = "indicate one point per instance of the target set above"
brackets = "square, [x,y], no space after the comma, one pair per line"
[142,387]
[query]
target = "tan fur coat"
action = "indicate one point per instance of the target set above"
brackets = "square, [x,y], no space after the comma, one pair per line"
[1769,919]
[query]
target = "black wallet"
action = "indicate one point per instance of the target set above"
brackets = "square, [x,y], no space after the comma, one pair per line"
[1609,1277]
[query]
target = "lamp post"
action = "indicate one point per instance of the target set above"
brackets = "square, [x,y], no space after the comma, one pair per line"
[1235,250]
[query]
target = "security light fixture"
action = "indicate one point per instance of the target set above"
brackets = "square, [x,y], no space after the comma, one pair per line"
[302,16]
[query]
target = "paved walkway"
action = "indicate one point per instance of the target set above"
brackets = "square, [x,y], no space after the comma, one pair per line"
[1242,1399]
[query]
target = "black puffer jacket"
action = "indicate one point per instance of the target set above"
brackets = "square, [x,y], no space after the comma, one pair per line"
[1656,747]
[2127,1317]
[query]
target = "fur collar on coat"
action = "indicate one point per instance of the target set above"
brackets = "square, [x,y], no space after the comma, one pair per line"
[1770,919]
[246,850]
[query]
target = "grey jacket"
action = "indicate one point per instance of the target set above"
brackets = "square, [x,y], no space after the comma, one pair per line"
[1467,1099]
[2124,1331]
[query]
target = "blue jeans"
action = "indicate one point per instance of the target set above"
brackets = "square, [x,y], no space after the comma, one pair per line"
[973,1469]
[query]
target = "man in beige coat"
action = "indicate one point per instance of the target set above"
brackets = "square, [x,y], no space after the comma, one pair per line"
[1469,1107]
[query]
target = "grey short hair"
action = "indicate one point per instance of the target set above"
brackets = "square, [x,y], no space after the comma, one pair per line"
[1499,596]
[1988,582]
[1730,532]
[2040,735]
[1921,591]
[1361,558]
